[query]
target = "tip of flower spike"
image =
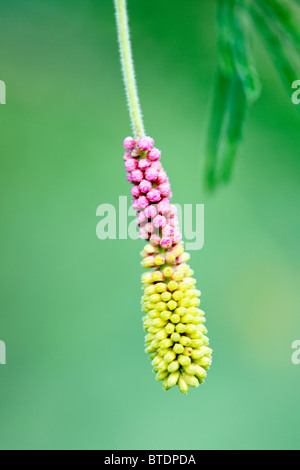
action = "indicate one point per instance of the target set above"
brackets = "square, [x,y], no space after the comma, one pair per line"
[145,143]
[129,143]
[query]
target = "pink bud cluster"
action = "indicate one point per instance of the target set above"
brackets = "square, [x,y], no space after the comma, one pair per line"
[151,194]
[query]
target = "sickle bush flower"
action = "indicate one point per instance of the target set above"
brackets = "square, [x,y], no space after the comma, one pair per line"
[176,335]
[175,332]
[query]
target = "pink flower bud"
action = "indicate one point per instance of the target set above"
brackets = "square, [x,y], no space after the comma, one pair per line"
[143,202]
[163,207]
[154,155]
[164,189]
[149,228]
[177,237]
[131,164]
[167,231]
[145,143]
[135,191]
[155,240]
[151,174]
[162,177]
[154,195]
[129,143]
[143,234]
[144,164]
[129,177]
[145,186]
[137,176]
[156,166]
[166,242]
[159,221]
[135,205]
[150,212]
[126,156]
[142,217]
[173,210]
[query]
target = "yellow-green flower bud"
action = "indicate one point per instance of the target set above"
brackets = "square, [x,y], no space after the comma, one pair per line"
[184,388]
[186,303]
[181,328]
[191,380]
[170,328]
[172,305]
[178,251]
[197,335]
[196,343]
[157,276]
[166,296]
[165,384]
[147,278]
[158,322]
[175,318]
[181,311]
[167,272]
[184,258]
[173,366]
[188,351]
[166,343]
[150,290]
[161,306]
[156,361]
[150,249]
[160,287]
[165,315]
[173,379]
[149,338]
[184,361]
[203,329]
[170,356]
[155,344]
[177,276]
[190,329]
[185,341]
[163,366]
[200,372]
[177,295]
[178,348]
[161,375]
[175,337]
[206,351]
[159,260]
[187,318]
[197,354]
[155,298]
[148,262]
[190,369]
[154,314]
[204,361]
[172,286]
[162,334]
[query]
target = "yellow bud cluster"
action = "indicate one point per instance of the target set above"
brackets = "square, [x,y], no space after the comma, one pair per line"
[176,336]
[153,257]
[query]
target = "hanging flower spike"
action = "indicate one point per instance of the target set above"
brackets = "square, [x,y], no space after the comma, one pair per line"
[176,336]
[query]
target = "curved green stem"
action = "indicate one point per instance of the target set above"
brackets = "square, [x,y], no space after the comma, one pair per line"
[128,68]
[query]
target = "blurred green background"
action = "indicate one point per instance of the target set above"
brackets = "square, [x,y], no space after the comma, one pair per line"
[77,376]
